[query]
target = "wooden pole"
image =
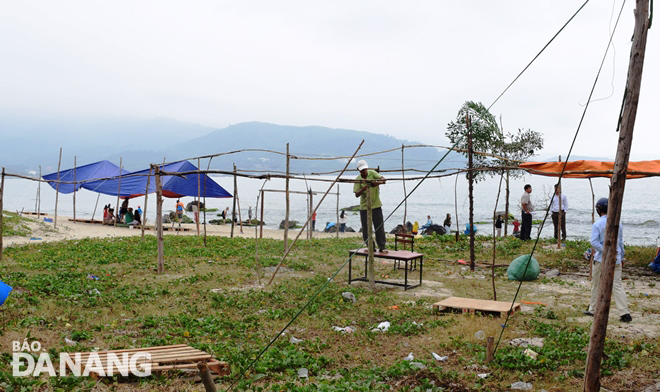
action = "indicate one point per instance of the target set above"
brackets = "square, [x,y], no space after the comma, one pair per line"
[146,194]
[205,375]
[458,227]
[490,348]
[559,232]
[337,224]
[286,187]
[39,195]
[159,220]
[233,208]
[199,189]
[96,205]
[371,267]
[208,167]
[118,192]
[593,220]
[492,269]
[468,121]
[74,188]
[2,193]
[506,208]
[311,206]
[405,200]
[57,187]
[617,187]
[261,224]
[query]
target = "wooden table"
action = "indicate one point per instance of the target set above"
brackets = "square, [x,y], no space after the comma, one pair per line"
[407,257]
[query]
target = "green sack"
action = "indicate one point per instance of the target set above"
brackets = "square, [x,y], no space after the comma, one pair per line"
[517,268]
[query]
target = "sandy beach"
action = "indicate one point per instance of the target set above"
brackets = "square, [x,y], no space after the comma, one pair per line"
[67,230]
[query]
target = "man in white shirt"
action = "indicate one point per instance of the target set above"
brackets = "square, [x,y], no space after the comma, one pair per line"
[527,207]
[554,208]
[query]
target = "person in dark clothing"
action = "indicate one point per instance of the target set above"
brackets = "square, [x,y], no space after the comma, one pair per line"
[527,207]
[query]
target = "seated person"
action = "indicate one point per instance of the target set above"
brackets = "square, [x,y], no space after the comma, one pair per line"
[415,228]
[109,218]
[137,218]
[428,223]
[128,217]
[467,229]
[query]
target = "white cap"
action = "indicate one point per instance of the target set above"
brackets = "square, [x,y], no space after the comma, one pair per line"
[362,165]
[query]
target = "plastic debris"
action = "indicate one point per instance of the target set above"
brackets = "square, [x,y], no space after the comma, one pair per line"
[481,335]
[347,295]
[344,329]
[523,386]
[417,365]
[303,373]
[483,375]
[67,325]
[525,342]
[393,307]
[410,357]
[92,277]
[69,342]
[554,272]
[440,358]
[294,340]
[531,353]
[382,327]
[94,291]
[35,239]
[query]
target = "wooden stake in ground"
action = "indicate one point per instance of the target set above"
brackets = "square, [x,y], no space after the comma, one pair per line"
[468,122]
[405,200]
[617,187]
[74,189]
[146,194]
[57,187]
[159,220]
[233,208]
[205,375]
[261,224]
[371,264]
[2,192]
[286,188]
[118,192]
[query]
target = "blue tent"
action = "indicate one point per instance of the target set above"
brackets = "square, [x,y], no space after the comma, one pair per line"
[134,184]
[103,169]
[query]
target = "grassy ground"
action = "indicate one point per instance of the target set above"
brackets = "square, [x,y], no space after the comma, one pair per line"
[14,225]
[53,299]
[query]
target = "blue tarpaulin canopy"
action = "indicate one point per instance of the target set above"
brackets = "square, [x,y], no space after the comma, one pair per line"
[103,169]
[134,184]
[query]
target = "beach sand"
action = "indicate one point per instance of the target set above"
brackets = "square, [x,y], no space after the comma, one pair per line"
[68,230]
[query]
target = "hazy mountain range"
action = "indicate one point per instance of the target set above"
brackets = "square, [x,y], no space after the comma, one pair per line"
[30,142]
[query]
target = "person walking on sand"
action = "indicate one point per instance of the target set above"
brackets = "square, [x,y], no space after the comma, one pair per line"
[370,179]
[250,215]
[554,208]
[342,222]
[527,207]
[447,223]
[597,242]
[179,211]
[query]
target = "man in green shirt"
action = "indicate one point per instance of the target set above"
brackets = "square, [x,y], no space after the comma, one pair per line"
[370,178]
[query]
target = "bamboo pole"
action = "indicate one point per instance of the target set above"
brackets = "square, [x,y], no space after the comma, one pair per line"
[593,220]
[337,221]
[559,232]
[261,224]
[159,220]
[405,199]
[468,122]
[118,192]
[75,164]
[2,194]
[311,206]
[306,223]
[57,188]
[618,183]
[492,270]
[371,264]
[96,205]
[458,227]
[39,195]
[208,167]
[286,214]
[199,186]
[146,194]
[506,208]
[233,210]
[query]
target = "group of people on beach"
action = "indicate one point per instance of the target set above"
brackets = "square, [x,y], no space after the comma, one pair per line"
[126,214]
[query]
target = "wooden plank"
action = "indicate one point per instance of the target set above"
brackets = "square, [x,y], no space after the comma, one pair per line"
[471,305]
[391,255]
[137,349]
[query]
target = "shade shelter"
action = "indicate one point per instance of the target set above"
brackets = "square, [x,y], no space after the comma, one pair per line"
[591,169]
[102,169]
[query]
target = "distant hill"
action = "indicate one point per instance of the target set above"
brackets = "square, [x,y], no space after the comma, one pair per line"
[30,142]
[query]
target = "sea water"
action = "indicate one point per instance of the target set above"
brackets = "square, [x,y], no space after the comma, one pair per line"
[434,196]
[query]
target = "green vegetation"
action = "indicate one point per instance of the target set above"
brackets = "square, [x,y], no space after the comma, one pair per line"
[136,307]
[14,225]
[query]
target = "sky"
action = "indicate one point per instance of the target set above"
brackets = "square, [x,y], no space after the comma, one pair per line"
[392,67]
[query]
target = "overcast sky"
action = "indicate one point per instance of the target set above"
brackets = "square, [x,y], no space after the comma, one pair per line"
[391,67]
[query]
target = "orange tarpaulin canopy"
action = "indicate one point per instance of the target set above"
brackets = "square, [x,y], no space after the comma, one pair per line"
[591,169]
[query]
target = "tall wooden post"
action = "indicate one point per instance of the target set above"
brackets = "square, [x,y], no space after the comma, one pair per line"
[468,122]
[159,220]
[559,217]
[233,210]
[617,187]
[261,224]
[506,207]
[337,224]
[57,187]
[286,187]
[74,188]
[405,199]
[371,267]
[2,193]
[39,195]
[118,192]
[311,207]
[199,189]
[146,194]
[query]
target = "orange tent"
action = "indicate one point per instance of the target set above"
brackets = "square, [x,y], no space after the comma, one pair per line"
[591,169]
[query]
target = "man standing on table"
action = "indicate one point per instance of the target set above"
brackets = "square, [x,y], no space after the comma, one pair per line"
[527,208]
[597,242]
[370,178]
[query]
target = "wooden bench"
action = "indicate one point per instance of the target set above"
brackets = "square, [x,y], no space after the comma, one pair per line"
[180,356]
[405,256]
